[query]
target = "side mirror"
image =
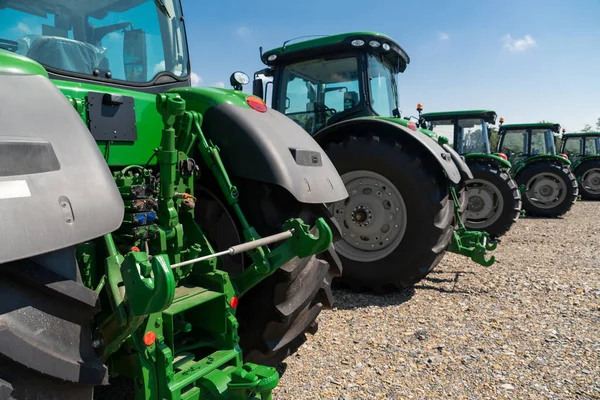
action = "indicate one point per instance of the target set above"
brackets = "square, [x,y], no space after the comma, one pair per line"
[135,58]
[238,79]
[287,103]
[258,88]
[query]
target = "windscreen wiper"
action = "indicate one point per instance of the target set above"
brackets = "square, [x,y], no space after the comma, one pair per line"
[161,6]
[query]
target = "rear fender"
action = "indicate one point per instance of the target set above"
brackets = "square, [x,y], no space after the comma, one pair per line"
[56,190]
[538,159]
[576,164]
[500,162]
[381,127]
[269,147]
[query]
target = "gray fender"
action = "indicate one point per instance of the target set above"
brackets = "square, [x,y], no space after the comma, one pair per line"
[56,190]
[387,128]
[270,147]
[461,164]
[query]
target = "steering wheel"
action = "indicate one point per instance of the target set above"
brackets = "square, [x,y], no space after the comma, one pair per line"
[9,45]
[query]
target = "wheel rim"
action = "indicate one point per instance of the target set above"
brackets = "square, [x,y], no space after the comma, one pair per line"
[546,190]
[484,203]
[591,180]
[372,219]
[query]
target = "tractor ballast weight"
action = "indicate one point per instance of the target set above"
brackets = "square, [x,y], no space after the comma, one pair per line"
[548,187]
[403,183]
[583,150]
[494,200]
[137,295]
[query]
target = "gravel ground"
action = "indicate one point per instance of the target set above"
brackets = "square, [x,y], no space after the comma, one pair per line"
[526,327]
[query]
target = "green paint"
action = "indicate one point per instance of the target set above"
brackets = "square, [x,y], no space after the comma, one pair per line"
[576,163]
[487,115]
[501,162]
[13,63]
[580,134]
[520,165]
[539,125]
[472,244]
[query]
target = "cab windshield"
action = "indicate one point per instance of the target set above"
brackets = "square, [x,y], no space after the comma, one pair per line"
[382,85]
[580,146]
[314,91]
[520,143]
[468,135]
[124,40]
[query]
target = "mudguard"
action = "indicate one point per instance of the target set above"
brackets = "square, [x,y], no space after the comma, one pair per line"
[56,190]
[461,164]
[384,127]
[269,147]
[517,168]
[489,158]
[577,163]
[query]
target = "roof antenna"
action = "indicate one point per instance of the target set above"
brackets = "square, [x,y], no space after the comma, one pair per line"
[299,37]
[261,52]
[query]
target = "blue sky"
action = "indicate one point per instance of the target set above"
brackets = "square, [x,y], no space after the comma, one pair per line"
[528,60]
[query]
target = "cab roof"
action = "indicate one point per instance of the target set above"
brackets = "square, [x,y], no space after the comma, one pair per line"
[575,134]
[331,45]
[538,125]
[487,115]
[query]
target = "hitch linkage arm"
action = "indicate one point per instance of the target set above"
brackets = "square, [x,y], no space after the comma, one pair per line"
[473,244]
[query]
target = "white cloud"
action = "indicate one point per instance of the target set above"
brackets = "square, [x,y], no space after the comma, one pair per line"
[443,36]
[220,84]
[519,44]
[24,28]
[196,79]
[159,67]
[243,31]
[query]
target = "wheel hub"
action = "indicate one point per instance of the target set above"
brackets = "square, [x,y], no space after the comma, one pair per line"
[362,216]
[372,220]
[484,204]
[591,180]
[546,190]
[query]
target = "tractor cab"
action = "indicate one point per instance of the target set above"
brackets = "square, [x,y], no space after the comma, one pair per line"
[139,43]
[583,150]
[322,81]
[581,144]
[522,141]
[467,131]
[547,185]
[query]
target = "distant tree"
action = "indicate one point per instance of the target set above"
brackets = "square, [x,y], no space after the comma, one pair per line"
[586,128]
[598,123]
[494,138]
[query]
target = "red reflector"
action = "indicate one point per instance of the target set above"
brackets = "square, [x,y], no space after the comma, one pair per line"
[412,126]
[502,155]
[234,302]
[565,156]
[149,338]
[257,104]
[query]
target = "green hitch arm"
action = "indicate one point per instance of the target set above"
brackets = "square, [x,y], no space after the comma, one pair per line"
[472,244]
[301,244]
[149,287]
[252,378]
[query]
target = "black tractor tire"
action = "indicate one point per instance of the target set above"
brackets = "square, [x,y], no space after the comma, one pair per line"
[276,315]
[508,190]
[579,172]
[429,210]
[45,335]
[560,170]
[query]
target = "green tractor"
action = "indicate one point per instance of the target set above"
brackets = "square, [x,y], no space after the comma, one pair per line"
[548,188]
[583,150]
[159,241]
[406,188]
[494,200]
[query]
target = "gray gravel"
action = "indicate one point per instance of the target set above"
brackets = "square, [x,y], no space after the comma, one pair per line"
[527,327]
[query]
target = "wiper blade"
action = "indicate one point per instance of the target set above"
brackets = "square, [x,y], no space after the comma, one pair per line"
[161,6]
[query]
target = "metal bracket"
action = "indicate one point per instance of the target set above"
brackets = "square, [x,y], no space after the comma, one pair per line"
[112,117]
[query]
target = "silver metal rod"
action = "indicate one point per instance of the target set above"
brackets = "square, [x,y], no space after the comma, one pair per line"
[240,248]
